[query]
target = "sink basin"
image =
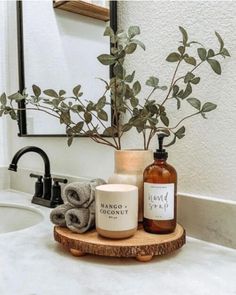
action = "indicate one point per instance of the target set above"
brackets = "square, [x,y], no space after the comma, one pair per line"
[14,217]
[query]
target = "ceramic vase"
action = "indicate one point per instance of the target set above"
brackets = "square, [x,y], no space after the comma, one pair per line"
[129,167]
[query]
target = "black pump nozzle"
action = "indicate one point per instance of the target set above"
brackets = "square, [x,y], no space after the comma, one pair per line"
[161,153]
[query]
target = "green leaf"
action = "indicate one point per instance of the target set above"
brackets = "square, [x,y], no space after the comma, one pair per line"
[122,54]
[180,133]
[220,41]
[194,103]
[90,107]
[164,120]
[225,52]
[126,127]
[128,92]
[16,96]
[173,57]
[70,140]
[180,94]
[78,127]
[203,115]
[76,90]
[36,90]
[65,118]
[139,43]
[189,76]
[208,107]
[215,65]
[175,90]
[185,35]
[102,115]
[178,103]
[130,48]
[152,82]
[210,53]
[136,87]
[79,108]
[55,102]
[109,131]
[133,31]
[109,32]
[106,59]
[130,78]
[187,91]
[62,92]
[3,99]
[134,102]
[181,50]
[51,93]
[153,121]
[101,103]
[163,88]
[119,71]
[190,60]
[13,115]
[87,117]
[202,53]
[195,80]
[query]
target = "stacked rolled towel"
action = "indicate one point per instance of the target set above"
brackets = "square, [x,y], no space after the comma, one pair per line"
[57,215]
[78,212]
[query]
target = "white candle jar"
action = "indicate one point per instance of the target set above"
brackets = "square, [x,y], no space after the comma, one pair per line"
[116,210]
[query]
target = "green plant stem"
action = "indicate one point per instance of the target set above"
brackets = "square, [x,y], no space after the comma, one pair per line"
[187,117]
[151,134]
[150,94]
[144,140]
[172,82]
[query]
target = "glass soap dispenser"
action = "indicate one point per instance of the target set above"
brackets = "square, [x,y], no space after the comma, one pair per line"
[160,187]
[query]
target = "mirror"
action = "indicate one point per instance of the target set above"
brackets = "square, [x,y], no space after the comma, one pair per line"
[58,45]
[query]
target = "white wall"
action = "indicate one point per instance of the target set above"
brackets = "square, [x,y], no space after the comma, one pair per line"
[205,158]
[4,79]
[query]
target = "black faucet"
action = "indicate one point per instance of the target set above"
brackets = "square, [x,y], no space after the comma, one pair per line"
[46,196]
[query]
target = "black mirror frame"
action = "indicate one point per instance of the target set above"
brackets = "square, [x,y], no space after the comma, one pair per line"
[22,119]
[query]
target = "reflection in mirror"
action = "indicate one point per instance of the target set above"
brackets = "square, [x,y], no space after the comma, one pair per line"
[60,52]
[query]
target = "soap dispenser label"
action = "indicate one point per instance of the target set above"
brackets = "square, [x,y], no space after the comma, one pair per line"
[159,201]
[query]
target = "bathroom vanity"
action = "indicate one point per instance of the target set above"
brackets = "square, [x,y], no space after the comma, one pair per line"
[38,265]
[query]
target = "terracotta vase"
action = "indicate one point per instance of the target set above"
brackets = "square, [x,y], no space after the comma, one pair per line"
[129,167]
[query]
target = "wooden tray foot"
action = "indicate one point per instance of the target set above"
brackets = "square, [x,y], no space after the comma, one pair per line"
[144,258]
[77,253]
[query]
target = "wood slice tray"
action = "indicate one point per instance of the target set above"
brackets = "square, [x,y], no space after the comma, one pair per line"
[143,246]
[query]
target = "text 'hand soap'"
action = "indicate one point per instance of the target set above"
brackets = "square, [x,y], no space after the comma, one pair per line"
[160,187]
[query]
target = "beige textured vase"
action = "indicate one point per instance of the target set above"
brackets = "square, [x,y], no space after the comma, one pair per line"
[129,167]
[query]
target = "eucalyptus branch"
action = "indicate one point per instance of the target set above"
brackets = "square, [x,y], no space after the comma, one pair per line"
[145,116]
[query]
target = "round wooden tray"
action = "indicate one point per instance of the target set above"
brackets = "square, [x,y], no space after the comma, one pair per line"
[143,246]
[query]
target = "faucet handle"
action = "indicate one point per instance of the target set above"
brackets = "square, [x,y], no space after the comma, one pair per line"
[36,176]
[56,191]
[61,180]
[38,185]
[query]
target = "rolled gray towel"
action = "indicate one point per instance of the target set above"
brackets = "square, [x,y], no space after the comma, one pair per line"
[57,215]
[81,194]
[80,220]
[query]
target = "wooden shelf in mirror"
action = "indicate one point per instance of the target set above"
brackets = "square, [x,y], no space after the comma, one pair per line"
[83,8]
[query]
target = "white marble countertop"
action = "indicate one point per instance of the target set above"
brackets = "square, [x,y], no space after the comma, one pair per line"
[32,263]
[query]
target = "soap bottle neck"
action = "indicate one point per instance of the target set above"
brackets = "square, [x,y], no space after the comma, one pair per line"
[160,161]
